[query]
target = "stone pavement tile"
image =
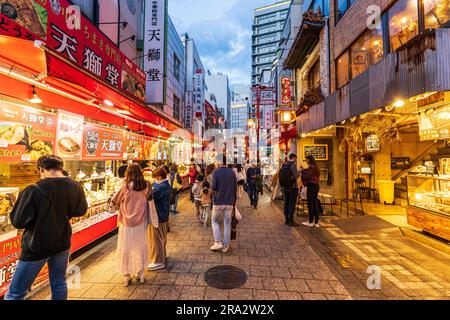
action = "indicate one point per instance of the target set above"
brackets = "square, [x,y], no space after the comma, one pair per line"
[265,294]
[323,274]
[186,279]
[299,285]
[301,273]
[198,267]
[253,283]
[191,257]
[231,260]
[98,291]
[256,253]
[213,258]
[102,277]
[240,294]
[77,293]
[314,296]
[178,257]
[181,267]
[286,262]
[240,251]
[192,293]
[201,280]
[165,279]
[274,284]
[267,262]
[216,294]
[280,272]
[338,297]
[121,292]
[250,261]
[260,271]
[189,249]
[338,287]
[168,292]
[289,295]
[319,286]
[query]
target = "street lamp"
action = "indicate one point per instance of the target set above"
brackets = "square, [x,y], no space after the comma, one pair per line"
[286,117]
[251,123]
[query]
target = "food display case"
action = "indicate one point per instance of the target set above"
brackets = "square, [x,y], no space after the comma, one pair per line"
[8,197]
[429,203]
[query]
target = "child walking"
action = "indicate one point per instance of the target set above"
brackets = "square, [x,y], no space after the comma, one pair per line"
[197,193]
[206,203]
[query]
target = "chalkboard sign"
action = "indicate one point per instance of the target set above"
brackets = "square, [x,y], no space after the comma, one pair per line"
[318,151]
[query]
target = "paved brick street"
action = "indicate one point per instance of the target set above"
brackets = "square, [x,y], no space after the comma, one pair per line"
[281,262]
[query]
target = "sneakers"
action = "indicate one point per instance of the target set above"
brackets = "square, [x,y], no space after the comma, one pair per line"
[306,223]
[225,249]
[317,225]
[217,246]
[156,266]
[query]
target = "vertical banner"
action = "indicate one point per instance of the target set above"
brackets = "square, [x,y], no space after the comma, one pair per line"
[285,91]
[188,112]
[199,95]
[155,44]
[69,135]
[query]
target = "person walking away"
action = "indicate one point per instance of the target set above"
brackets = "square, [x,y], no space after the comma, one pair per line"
[240,180]
[158,236]
[206,203]
[197,193]
[192,178]
[177,185]
[252,184]
[224,191]
[311,180]
[288,176]
[44,210]
[132,243]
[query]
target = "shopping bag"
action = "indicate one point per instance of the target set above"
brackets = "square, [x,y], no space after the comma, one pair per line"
[303,194]
[234,223]
[152,213]
[237,214]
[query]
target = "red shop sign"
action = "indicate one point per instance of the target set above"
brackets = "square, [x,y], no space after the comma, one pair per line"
[9,255]
[26,134]
[101,143]
[285,91]
[62,27]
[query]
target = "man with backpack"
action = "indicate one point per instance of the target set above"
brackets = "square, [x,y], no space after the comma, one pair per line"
[288,181]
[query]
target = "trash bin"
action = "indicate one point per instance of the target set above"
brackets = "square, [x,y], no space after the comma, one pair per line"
[386,191]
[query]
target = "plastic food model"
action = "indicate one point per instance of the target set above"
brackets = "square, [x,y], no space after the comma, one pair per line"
[8,197]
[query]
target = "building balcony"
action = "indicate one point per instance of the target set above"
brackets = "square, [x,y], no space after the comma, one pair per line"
[420,66]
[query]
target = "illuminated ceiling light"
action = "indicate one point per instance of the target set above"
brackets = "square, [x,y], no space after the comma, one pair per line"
[303,135]
[353,119]
[108,103]
[124,112]
[389,108]
[422,96]
[363,116]
[399,103]
[126,124]
[378,111]
[35,98]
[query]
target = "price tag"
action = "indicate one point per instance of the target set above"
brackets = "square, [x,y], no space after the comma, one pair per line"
[3,144]
[2,219]
[25,157]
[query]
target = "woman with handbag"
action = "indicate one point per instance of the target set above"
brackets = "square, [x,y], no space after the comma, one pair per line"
[131,201]
[158,235]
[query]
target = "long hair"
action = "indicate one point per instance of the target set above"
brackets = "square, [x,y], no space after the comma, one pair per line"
[134,175]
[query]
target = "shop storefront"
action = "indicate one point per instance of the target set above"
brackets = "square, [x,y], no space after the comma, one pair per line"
[74,94]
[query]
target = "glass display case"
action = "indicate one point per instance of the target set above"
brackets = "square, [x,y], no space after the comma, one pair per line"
[430,192]
[8,197]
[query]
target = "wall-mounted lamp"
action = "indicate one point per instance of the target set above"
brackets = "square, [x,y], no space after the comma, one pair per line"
[35,98]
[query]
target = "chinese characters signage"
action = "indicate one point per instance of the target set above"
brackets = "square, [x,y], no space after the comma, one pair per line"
[373,143]
[69,137]
[198,96]
[75,39]
[101,143]
[9,256]
[188,112]
[26,134]
[154,49]
[262,96]
[134,146]
[285,91]
[434,124]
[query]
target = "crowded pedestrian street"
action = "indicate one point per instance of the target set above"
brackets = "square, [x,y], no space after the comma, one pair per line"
[281,262]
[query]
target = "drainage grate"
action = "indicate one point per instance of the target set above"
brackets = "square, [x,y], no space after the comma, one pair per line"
[225,277]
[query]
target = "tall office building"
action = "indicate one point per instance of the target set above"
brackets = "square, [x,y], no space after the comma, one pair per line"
[268,24]
[219,85]
[240,107]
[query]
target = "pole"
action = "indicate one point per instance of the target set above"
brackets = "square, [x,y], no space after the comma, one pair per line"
[258,118]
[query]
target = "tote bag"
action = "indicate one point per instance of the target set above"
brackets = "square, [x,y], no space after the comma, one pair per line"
[152,214]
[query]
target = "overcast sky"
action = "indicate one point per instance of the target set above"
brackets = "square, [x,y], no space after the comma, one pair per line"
[222,30]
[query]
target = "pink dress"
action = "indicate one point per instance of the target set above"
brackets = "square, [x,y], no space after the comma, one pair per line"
[132,245]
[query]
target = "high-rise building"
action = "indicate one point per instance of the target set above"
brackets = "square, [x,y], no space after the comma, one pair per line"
[268,24]
[240,106]
[219,85]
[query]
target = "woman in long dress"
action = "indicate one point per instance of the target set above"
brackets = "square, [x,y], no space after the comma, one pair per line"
[132,246]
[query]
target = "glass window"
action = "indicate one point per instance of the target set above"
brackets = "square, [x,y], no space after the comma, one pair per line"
[176,107]
[87,7]
[342,7]
[367,50]
[176,67]
[342,70]
[314,76]
[403,22]
[437,13]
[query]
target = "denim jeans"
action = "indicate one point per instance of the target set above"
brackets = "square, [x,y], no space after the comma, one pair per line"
[222,213]
[206,212]
[173,207]
[290,201]
[27,272]
[253,194]
[312,191]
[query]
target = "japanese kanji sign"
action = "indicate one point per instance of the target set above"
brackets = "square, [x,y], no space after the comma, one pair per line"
[26,134]
[134,146]
[154,49]
[188,110]
[263,95]
[101,143]
[9,255]
[77,40]
[285,83]
[69,136]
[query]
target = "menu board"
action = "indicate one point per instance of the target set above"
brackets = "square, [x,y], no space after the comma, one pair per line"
[69,136]
[318,151]
[373,143]
[101,143]
[434,124]
[26,133]
[151,149]
[134,146]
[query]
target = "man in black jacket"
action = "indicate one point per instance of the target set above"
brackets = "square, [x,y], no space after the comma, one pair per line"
[44,210]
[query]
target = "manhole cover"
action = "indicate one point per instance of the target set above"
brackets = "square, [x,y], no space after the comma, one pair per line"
[225,277]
